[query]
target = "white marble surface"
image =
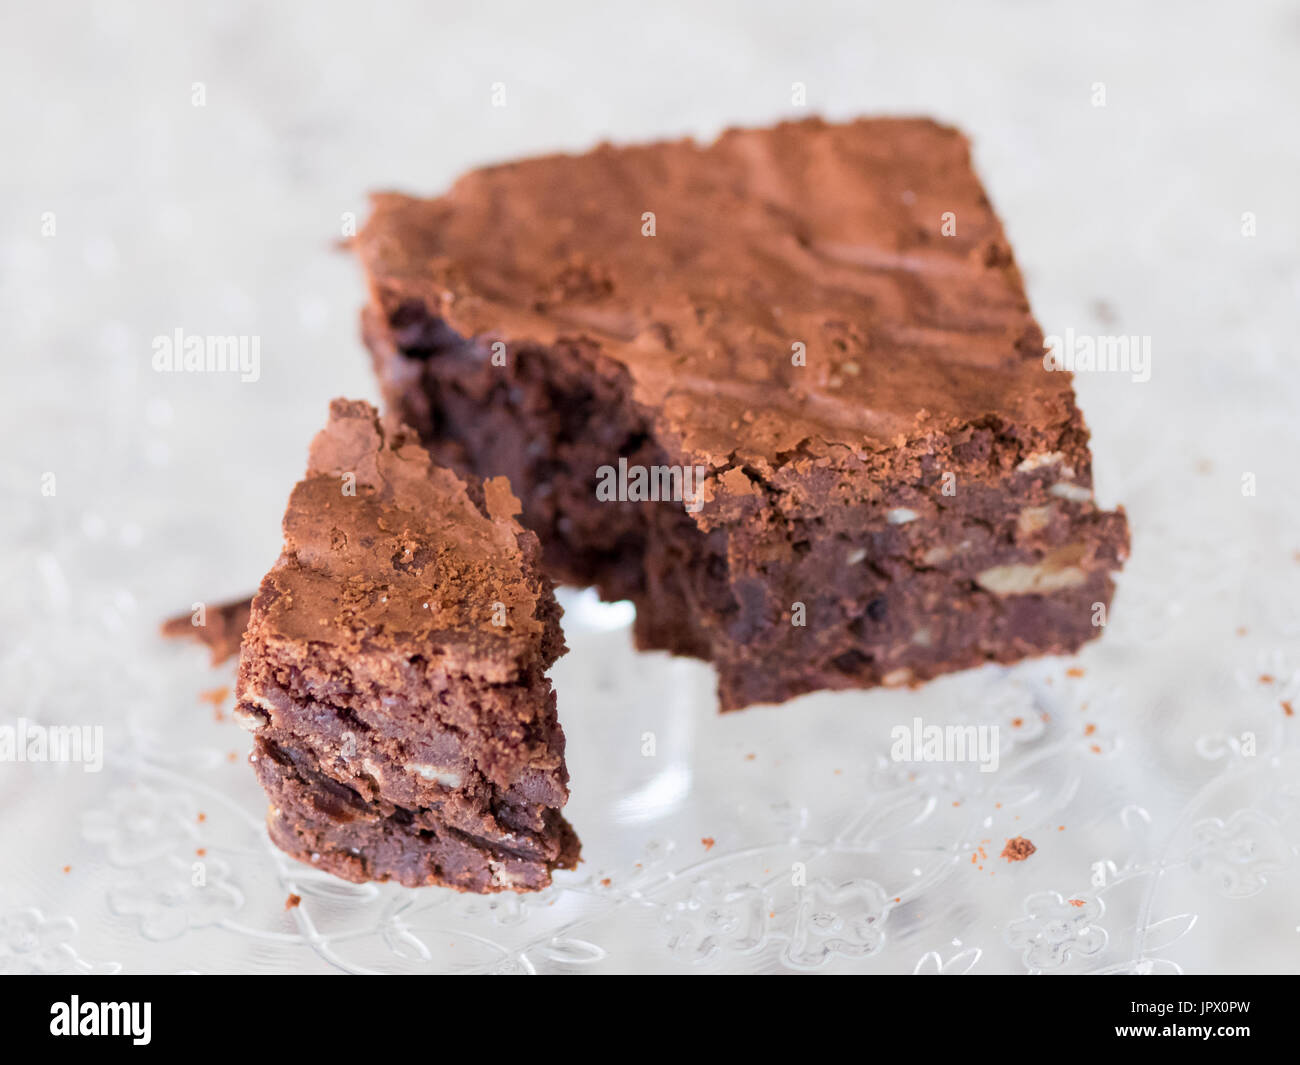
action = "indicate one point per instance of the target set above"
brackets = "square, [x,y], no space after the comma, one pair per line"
[220,219]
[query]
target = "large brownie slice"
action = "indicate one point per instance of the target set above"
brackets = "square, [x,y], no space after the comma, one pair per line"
[393,671]
[826,320]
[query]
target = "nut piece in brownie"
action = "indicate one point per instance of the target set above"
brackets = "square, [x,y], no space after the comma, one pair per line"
[828,321]
[393,672]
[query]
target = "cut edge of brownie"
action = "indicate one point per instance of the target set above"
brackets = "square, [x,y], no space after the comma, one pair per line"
[325,824]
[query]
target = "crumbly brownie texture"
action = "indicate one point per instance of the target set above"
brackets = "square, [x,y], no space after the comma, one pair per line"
[393,672]
[888,460]
[318,820]
[221,633]
[1018,849]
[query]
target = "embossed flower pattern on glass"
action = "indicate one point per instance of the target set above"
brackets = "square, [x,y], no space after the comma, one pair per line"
[1056,929]
[1237,854]
[33,944]
[171,896]
[140,824]
[715,918]
[845,919]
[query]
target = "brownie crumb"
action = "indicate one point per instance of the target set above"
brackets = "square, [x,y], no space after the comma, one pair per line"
[214,697]
[1018,849]
[1104,312]
[292,902]
[222,633]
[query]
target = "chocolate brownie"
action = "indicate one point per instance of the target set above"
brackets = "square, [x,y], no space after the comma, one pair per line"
[394,672]
[827,323]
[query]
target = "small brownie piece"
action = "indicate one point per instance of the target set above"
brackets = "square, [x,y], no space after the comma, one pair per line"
[393,671]
[825,319]
[221,632]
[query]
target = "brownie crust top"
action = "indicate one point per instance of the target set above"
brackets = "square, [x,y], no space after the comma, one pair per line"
[386,551]
[701,269]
